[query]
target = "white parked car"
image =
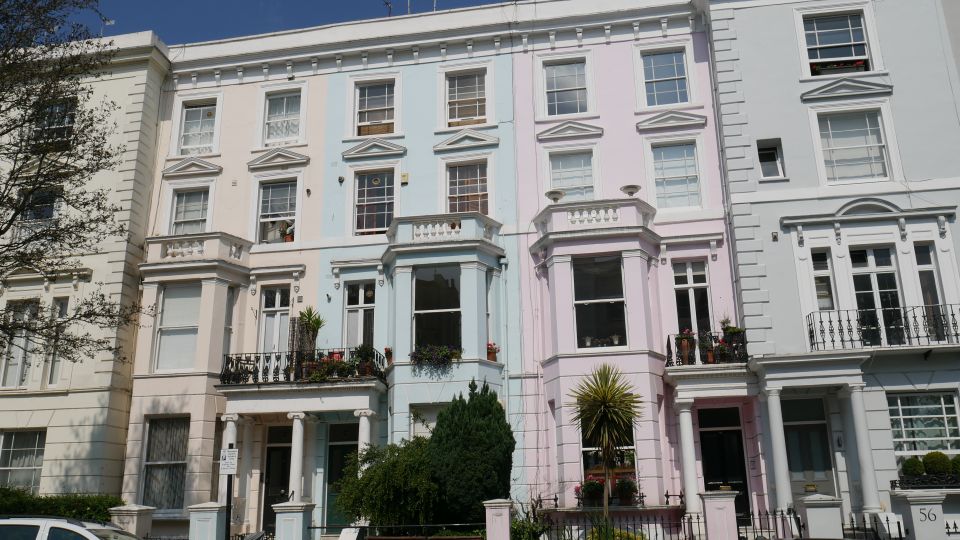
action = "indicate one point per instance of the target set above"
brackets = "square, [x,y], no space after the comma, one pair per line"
[54,528]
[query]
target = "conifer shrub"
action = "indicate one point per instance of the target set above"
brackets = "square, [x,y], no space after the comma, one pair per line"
[937,463]
[912,467]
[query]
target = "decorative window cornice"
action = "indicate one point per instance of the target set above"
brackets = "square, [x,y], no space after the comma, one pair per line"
[374,148]
[191,167]
[279,157]
[570,130]
[847,87]
[467,138]
[672,119]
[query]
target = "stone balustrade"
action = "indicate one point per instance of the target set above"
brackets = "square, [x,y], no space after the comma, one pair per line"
[470,226]
[198,246]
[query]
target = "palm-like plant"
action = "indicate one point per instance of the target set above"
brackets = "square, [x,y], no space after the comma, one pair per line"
[606,409]
[312,322]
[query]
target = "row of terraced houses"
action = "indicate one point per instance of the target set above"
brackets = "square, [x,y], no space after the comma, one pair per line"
[747,206]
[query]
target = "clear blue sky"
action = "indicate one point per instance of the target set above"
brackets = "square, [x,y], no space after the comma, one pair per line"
[181,21]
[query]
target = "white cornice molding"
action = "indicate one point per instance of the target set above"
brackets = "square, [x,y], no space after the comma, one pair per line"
[570,130]
[672,119]
[374,148]
[467,138]
[191,167]
[848,87]
[279,157]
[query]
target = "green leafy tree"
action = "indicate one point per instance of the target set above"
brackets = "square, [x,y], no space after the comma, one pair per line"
[471,453]
[606,407]
[394,488]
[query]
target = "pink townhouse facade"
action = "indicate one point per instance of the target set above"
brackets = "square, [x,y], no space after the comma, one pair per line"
[624,256]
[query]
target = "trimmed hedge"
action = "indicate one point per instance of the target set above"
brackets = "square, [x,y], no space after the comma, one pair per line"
[82,506]
[912,467]
[937,463]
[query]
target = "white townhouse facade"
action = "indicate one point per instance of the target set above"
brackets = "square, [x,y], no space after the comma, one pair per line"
[840,123]
[63,425]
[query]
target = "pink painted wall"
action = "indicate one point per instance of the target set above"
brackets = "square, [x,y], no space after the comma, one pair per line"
[549,348]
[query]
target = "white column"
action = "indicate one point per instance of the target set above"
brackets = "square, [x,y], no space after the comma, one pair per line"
[365,437]
[781,469]
[868,476]
[688,455]
[229,437]
[245,478]
[310,457]
[296,457]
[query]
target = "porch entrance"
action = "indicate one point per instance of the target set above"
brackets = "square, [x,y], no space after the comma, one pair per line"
[808,447]
[721,448]
[343,441]
[276,476]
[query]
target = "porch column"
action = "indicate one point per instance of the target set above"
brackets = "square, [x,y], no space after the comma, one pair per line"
[868,476]
[245,477]
[296,457]
[688,455]
[365,437]
[781,469]
[229,437]
[310,457]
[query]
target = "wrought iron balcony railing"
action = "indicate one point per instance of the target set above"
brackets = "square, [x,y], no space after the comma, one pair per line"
[689,349]
[319,365]
[884,327]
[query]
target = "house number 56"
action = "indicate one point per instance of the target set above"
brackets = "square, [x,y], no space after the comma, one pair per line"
[928,514]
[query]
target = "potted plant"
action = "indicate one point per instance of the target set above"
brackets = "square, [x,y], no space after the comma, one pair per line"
[492,350]
[626,490]
[287,231]
[722,350]
[685,342]
[587,341]
[388,353]
[436,356]
[590,492]
[364,356]
[615,339]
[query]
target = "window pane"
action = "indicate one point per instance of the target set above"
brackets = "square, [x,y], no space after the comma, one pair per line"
[466,95]
[190,212]
[824,292]
[601,324]
[665,78]
[769,162]
[442,328]
[677,178]
[597,278]
[374,211]
[57,533]
[177,348]
[181,305]
[19,532]
[572,173]
[566,85]
[165,463]
[437,288]
[853,145]
[468,188]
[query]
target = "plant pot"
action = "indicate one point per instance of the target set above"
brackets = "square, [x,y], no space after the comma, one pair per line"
[288,238]
[685,347]
[615,340]
[587,341]
[365,368]
[710,358]
[592,502]
[491,356]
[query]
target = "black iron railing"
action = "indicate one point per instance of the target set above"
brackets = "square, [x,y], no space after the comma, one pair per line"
[884,327]
[873,527]
[927,481]
[688,348]
[631,525]
[318,365]
[776,524]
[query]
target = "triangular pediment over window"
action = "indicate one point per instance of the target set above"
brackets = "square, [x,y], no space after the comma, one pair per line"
[467,138]
[570,130]
[847,88]
[279,157]
[672,119]
[374,148]
[191,167]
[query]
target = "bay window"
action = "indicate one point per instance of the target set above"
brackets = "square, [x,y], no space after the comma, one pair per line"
[436,307]
[624,460]
[165,462]
[599,302]
[179,323]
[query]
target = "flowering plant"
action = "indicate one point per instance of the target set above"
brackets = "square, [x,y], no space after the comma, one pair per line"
[591,488]
[492,347]
[434,355]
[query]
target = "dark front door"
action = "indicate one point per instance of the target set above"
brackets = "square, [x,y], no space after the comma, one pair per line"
[722,452]
[276,481]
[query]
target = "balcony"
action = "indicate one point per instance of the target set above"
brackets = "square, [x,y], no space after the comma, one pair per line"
[690,349]
[440,228]
[605,218]
[884,327]
[198,247]
[315,366]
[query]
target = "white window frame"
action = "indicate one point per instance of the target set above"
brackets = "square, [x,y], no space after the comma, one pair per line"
[159,328]
[865,7]
[413,304]
[180,101]
[352,96]
[828,273]
[143,460]
[666,45]
[354,231]
[169,196]
[781,169]
[545,59]
[276,89]
[253,230]
[55,367]
[464,159]
[26,374]
[882,106]
[931,392]
[350,202]
[360,307]
[548,150]
[446,70]
[622,300]
[680,138]
[283,340]
[13,432]
[689,287]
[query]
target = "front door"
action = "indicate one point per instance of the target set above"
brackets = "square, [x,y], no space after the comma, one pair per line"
[808,447]
[276,477]
[721,447]
[342,443]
